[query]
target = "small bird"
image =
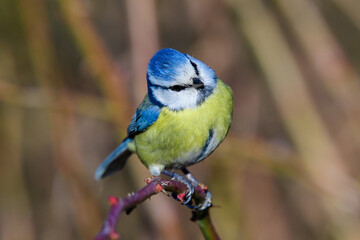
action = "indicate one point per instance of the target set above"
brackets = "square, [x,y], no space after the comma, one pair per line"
[186,114]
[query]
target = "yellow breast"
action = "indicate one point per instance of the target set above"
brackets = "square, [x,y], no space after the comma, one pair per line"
[181,138]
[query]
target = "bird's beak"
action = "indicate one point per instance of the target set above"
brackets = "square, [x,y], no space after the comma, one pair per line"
[197,83]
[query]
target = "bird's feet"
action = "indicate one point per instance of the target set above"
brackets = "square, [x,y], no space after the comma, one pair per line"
[208,197]
[190,182]
[184,180]
[202,206]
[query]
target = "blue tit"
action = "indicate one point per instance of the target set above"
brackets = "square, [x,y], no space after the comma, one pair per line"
[186,114]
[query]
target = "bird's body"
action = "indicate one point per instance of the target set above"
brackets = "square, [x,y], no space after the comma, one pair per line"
[181,138]
[183,118]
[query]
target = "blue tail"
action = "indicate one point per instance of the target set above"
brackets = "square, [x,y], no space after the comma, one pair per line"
[115,161]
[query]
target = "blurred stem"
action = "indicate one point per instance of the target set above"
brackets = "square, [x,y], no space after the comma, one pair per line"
[64,138]
[14,200]
[351,8]
[143,30]
[98,60]
[320,155]
[328,60]
[324,52]
[34,98]
[279,159]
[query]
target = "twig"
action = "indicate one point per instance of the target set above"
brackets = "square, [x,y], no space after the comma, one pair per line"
[154,186]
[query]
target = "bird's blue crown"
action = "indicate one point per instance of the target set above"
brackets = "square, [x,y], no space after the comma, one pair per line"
[166,64]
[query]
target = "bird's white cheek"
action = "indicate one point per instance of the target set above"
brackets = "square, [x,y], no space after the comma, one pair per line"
[183,99]
[177,100]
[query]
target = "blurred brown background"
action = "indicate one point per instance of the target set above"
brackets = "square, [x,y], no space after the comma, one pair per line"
[73,71]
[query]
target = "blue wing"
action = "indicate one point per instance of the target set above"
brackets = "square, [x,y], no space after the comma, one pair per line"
[145,115]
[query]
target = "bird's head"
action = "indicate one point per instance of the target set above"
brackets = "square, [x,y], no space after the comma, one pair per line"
[179,81]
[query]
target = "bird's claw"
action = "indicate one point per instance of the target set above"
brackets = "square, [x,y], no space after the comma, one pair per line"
[186,198]
[204,205]
[190,192]
[190,188]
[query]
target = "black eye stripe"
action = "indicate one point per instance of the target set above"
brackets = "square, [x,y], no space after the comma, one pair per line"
[178,88]
[195,67]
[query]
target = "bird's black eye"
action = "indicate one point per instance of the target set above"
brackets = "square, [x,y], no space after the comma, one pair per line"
[177,88]
[197,83]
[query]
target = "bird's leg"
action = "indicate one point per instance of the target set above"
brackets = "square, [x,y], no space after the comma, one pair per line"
[190,176]
[207,202]
[184,180]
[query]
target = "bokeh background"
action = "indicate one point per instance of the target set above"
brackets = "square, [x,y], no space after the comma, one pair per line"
[72,72]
